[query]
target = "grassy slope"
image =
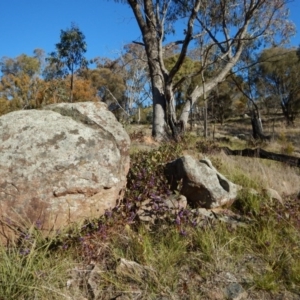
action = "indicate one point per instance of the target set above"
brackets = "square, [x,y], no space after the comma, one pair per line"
[181,261]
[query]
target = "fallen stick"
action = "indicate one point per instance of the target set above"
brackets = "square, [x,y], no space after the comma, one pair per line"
[261,153]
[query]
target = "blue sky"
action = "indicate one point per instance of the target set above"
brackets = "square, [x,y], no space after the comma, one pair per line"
[29,24]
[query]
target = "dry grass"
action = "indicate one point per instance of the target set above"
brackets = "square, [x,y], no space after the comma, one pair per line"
[263,173]
[180,261]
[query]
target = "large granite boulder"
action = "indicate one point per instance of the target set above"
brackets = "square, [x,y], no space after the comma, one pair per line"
[200,182]
[62,164]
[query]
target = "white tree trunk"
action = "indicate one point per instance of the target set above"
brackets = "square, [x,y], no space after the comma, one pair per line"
[199,91]
[159,110]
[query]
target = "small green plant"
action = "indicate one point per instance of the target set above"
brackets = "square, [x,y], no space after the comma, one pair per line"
[160,253]
[248,202]
[31,271]
[288,149]
[286,146]
[189,141]
[207,146]
[267,281]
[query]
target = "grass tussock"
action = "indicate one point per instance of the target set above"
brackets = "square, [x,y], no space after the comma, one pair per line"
[30,270]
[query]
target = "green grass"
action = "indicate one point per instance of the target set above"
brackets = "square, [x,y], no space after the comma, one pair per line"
[32,271]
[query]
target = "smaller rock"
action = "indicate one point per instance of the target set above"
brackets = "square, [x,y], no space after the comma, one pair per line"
[176,202]
[251,191]
[223,215]
[200,182]
[94,281]
[151,210]
[78,282]
[286,295]
[234,291]
[134,270]
[273,195]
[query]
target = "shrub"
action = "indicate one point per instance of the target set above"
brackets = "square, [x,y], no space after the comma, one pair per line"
[146,179]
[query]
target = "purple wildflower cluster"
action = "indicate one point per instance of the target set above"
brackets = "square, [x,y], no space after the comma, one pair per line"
[146,181]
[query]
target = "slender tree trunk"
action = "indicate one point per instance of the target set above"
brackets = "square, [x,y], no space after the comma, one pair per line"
[71,88]
[205,104]
[198,91]
[139,115]
[257,128]
[159,114]
[288,115]
[164,113]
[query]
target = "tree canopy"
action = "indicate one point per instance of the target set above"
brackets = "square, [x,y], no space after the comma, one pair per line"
[219,29]
[279,77]
[69,55]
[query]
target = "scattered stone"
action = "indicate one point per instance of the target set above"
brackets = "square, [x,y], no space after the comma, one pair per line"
[61,165]
[234,291]
[223,215]
[288,296]
[78,283]
[94,280]
[251,191]
[176,202]
[273,195]
[151,210]
[132,269]
[200,183]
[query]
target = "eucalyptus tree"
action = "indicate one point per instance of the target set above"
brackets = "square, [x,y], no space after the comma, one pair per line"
[245,79]
[134,70]
[280,79]
[69,55]
[108,80]
[20,82]
[223,28]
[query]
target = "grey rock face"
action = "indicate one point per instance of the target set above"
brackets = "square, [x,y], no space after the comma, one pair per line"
[62,164]
[201,183]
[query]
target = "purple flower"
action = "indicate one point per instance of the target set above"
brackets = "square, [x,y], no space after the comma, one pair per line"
[183,232]
[151,182]
[132,216]
[65,246]
[26,236]
[155,206]
[8,221]
[108,213]
[194,223]
[38,224]
[25,251]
